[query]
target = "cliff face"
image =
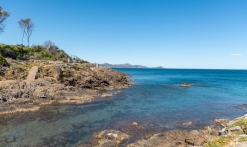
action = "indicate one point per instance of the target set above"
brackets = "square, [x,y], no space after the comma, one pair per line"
[56,83]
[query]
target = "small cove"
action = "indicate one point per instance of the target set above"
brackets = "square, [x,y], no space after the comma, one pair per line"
[155,101]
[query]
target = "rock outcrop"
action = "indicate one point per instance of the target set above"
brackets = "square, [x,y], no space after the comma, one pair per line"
[173,138]
[106,138]
[178,138]
[58,83]
[229,133]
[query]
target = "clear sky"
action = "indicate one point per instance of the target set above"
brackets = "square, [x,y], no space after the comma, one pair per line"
[168,33]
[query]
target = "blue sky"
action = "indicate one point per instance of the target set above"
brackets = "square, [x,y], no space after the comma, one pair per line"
[168,33]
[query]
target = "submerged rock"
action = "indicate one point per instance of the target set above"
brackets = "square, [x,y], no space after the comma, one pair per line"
[78,125]
[111,138]
[187,123]
[106,95]
[185,85]
[10,139]
[222,122]
[134,124]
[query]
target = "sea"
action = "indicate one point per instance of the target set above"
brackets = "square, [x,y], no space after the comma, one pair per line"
[156,101]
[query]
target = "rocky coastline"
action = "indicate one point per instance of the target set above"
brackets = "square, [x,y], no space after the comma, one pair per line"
[55,83]
[80,83]
[222,133]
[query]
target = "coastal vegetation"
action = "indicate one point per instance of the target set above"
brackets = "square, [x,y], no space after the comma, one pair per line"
[35,52]
[219,142]
[47,51]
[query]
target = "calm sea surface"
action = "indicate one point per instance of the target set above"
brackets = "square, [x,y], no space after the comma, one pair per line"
[155,101]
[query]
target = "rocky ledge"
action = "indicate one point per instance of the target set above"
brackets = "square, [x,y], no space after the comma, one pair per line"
[224,133]
[62,83]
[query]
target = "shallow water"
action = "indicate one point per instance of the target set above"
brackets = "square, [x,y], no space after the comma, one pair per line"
[155,101]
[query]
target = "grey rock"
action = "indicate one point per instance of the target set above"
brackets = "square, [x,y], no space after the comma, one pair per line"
[222,131]
[108,138]
[235,129]
[231,123]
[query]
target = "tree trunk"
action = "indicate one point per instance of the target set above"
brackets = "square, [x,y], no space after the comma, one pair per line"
[28,41]
[22,38]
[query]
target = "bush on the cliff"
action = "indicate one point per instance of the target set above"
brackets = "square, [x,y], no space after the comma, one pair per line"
[2,60]
[219,142]
[36,52]
[239,122]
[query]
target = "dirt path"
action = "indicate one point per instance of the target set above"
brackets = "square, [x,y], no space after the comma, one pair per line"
[32,73]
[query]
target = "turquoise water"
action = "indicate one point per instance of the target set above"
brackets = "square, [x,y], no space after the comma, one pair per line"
[155,101]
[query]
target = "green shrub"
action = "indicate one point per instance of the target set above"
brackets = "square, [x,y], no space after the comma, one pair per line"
[219,142]
[2,60]
[36,52]
[240,122]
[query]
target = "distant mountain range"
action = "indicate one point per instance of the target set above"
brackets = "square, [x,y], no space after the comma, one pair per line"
[126,65]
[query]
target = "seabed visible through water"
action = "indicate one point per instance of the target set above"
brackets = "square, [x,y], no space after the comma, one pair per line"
[155,101]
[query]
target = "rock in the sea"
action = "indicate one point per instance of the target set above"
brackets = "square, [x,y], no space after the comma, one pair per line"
[111,138]
[106,94]
[239,108]
[10,139]
[187,123]
[78,125]
[134,124]
[222,122]
[185,85]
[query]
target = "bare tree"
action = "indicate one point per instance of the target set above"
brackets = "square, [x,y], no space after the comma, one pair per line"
[48,44]
[52,48]
[3,16]
[28,28]
[22,27]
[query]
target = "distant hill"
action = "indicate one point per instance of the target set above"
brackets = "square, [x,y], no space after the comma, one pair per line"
[125,65]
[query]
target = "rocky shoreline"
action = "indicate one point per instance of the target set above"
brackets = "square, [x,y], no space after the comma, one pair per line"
[222,133]
[80,83]
[57,83]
